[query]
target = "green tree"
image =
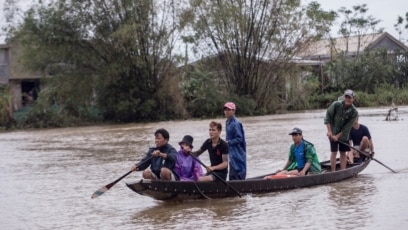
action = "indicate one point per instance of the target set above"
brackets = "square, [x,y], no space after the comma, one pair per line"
[116,55]
[399,76]
[402,27]
[351,69]
[202,95]
[368,71]
[254,42]
[356,23]
[6,112]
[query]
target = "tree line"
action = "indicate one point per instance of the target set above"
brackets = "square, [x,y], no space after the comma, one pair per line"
[149,60]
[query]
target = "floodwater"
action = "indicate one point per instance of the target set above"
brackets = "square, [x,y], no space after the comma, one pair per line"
[47,178]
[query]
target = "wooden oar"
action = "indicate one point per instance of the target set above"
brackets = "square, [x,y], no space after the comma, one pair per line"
[216,175]
[105,188]
[367,155]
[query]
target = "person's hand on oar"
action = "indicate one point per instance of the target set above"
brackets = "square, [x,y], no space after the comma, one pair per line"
[209,169]
[155,153]
[134,168]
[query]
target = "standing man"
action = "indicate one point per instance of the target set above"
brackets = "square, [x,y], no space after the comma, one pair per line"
[339,119]
[360,138]
[162,159]
[236,141]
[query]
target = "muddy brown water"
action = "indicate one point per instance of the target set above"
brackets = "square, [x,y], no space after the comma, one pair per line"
[47,178]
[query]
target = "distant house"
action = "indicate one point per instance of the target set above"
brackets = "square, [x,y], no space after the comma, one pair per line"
[24,84]
[327,49]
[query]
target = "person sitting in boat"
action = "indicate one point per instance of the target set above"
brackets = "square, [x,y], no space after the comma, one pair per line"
[360,138]
[218,152]
[302,156]
[187,168]
[161,159]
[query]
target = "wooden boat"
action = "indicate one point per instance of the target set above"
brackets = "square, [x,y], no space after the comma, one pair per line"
[190,190]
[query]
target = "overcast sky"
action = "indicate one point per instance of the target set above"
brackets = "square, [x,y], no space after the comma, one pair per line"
[385,10]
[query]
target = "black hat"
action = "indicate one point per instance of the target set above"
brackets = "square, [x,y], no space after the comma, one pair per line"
[188,140]
[295,130]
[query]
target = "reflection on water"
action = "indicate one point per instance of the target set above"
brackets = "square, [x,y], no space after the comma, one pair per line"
[48,176]
[352,197]
[215,211]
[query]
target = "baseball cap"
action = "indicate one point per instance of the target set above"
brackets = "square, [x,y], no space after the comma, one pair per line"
[229,105]
[295,130]
[349,92]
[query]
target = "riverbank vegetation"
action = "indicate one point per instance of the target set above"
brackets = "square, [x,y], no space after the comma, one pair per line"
[132,61]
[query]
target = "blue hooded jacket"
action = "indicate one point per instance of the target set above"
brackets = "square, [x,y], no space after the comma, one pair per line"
[237,146]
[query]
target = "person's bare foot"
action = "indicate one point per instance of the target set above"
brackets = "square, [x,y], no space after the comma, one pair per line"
[349,161]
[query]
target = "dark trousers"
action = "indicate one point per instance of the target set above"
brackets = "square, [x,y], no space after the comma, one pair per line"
[234,175]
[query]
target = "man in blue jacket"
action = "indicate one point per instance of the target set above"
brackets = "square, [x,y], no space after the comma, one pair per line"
[162,159]
[235,138]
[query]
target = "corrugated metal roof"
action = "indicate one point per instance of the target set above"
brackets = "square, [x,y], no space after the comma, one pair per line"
[338,45]
[352,44]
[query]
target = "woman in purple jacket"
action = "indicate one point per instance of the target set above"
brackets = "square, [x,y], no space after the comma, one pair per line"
[187,168]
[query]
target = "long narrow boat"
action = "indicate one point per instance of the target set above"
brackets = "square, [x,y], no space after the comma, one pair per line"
[189,190]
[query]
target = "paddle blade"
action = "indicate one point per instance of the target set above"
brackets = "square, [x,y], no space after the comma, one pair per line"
[100,191]
[108,186]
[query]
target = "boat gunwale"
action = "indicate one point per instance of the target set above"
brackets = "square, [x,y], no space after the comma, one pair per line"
[169,190]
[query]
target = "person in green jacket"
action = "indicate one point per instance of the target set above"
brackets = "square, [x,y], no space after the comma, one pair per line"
[302,156]
[339,119]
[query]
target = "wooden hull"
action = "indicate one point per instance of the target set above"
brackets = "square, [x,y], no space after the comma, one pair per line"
[189,190]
